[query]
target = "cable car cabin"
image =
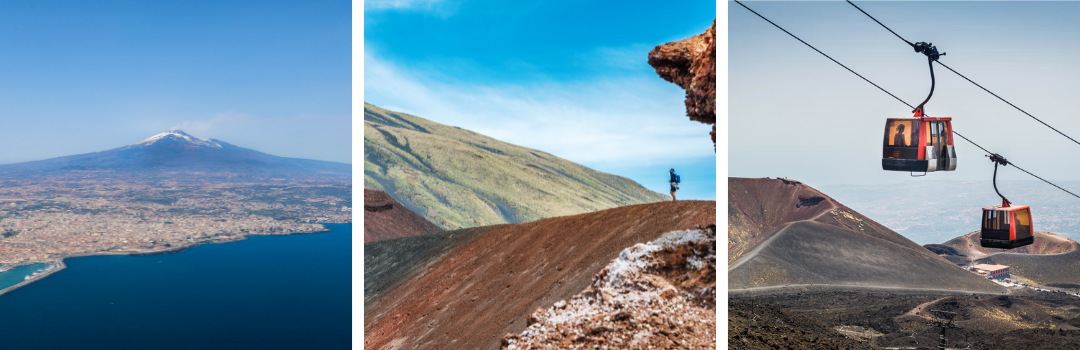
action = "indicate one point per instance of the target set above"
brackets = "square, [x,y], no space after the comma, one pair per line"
[918,144]
[1006,227]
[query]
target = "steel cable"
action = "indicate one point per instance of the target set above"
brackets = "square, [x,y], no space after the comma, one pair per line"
[966,78]
[897,98]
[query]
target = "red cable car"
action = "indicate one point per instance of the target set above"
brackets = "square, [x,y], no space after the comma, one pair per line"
[918,144]
[1006,226]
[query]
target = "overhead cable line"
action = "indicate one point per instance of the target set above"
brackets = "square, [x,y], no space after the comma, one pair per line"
[894,96]
[966,78]
[822,53]
[878,22]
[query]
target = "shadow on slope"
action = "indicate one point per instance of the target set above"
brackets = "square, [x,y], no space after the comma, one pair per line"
[467,288]
[782,231]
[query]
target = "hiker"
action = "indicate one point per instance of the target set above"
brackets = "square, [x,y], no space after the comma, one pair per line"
[674,183]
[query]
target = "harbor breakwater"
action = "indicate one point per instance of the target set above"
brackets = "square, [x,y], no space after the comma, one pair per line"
[59,265]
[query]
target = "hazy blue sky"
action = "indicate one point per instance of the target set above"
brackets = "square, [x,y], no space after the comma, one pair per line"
[795,113]
[567,77]
[86,76]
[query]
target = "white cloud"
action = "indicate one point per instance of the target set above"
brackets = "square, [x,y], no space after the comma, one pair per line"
[611,121]
[440,8]
[226,120]
[398,4]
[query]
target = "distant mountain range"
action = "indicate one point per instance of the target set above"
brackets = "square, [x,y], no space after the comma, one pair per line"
[457,178]
[178,151]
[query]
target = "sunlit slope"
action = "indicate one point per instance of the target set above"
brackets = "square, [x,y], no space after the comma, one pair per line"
[457,178]
[782,231]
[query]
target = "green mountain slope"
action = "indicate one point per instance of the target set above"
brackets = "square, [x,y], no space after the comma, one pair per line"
[457,178]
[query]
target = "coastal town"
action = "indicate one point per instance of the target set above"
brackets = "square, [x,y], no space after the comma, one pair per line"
[84,213]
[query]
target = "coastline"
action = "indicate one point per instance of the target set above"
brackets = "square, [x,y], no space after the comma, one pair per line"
[59,266]
[59,261]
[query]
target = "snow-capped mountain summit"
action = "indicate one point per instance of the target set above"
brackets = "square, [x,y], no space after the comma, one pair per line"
[176,150]
[177,135]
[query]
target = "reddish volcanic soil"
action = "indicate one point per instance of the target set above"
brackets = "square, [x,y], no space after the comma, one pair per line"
[466,289]
[757,207]
[656,295]
[385,218]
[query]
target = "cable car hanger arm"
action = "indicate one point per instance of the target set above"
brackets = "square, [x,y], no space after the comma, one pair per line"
[969,80]
[932,55]
[998,159]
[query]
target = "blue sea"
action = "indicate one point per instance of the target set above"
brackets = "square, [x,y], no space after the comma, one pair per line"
[267,292]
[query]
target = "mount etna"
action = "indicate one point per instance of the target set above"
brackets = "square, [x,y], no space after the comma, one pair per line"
[174,151]
[165,193]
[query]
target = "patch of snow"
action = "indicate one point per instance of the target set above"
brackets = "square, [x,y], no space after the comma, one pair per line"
[177,134]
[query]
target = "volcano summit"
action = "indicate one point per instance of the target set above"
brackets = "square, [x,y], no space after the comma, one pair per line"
[176,150]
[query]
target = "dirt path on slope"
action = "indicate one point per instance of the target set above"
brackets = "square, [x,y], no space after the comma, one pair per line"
[771,238]
[851,286]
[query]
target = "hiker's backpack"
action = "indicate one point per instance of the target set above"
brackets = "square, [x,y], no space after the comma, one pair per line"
[677,179]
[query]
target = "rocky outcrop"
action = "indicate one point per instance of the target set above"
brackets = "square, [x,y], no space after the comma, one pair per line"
[656,295]
[385,218]
[691,64]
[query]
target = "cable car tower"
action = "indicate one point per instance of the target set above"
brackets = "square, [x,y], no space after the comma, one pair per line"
[944,324]
[920,143]
[1005,226]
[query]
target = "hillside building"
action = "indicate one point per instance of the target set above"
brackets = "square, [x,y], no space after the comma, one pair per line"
[992,271]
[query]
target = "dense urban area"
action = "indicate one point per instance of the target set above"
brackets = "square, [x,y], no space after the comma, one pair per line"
[102,212]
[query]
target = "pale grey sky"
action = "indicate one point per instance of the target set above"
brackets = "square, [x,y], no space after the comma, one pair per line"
[795,113]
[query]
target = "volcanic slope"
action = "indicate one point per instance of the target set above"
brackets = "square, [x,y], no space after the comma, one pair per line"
[782,231]
[1051,260]
[457,178]
[998,314]
[177,151]
[385,218]
[466,289]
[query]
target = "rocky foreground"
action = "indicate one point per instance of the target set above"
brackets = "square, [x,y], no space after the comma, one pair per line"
[656,295]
